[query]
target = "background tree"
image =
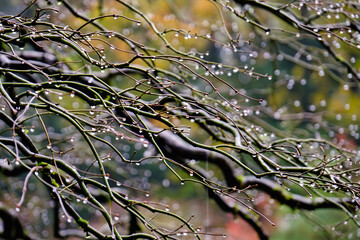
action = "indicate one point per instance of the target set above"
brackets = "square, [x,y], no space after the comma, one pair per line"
[110,110]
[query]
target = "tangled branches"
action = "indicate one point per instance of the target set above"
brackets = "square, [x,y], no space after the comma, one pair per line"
[93,110]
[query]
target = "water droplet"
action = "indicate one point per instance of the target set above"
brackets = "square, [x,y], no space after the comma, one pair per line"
[69,219]
[147,194]
[17,209]
[118,184]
